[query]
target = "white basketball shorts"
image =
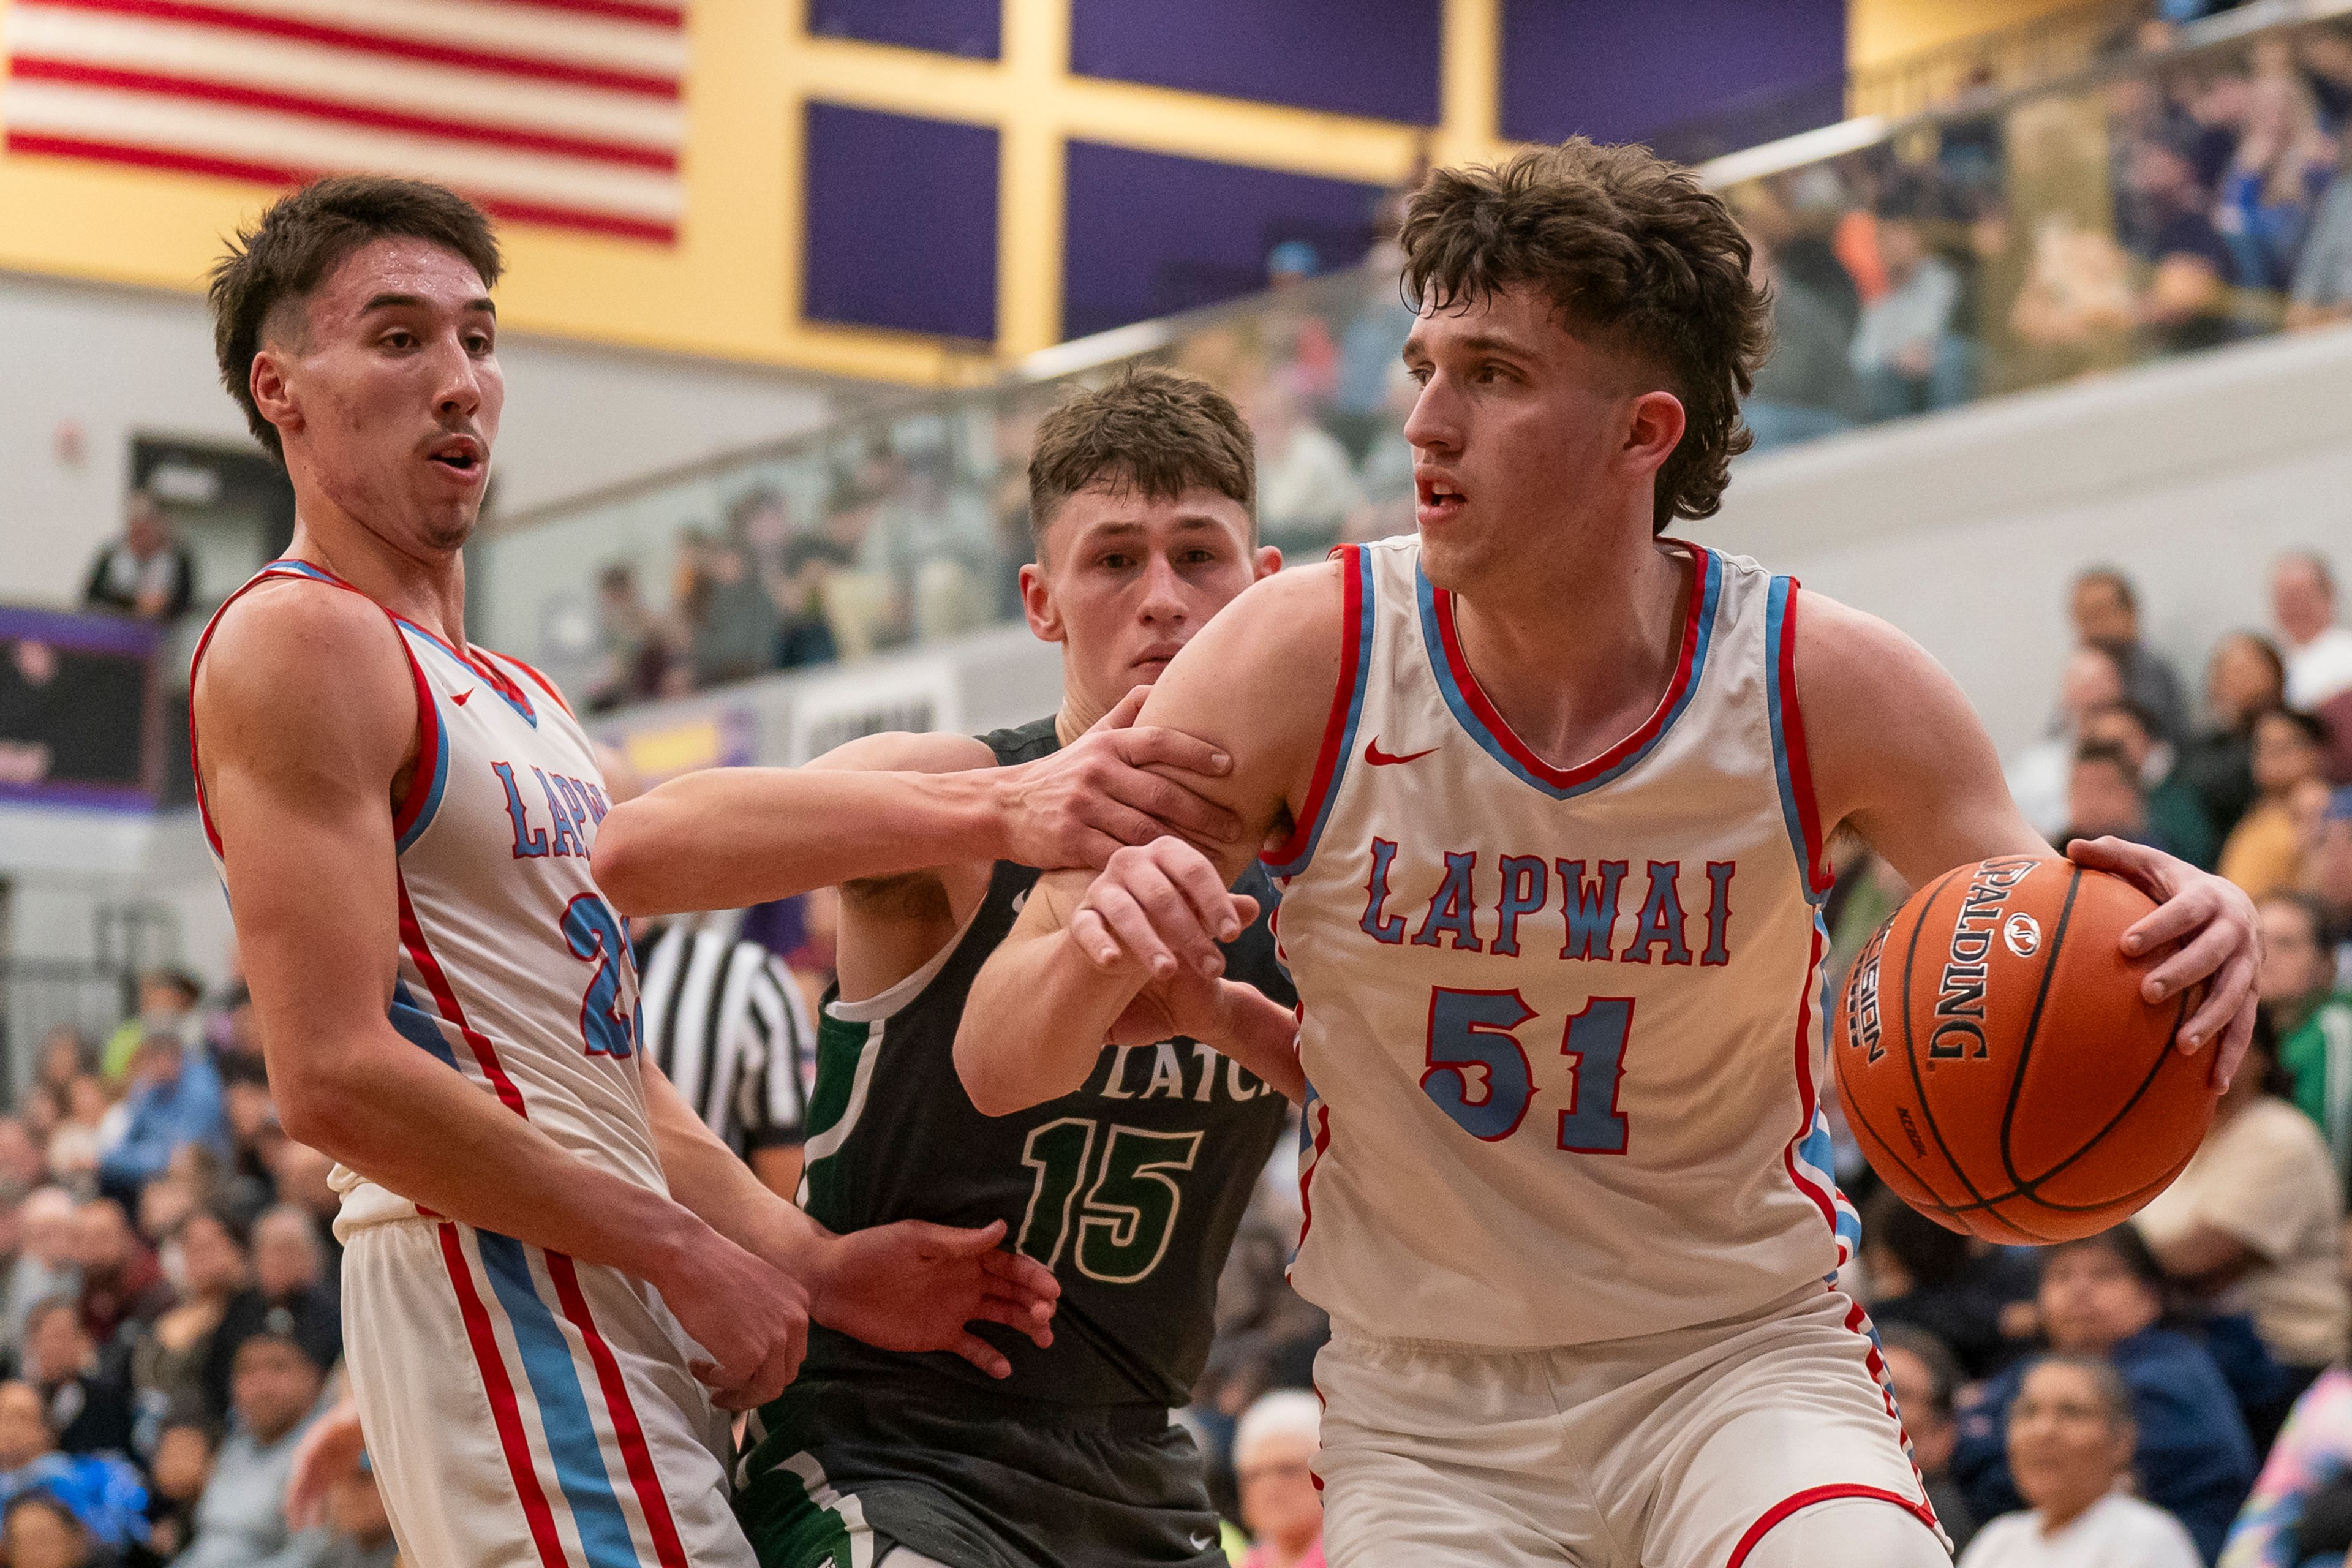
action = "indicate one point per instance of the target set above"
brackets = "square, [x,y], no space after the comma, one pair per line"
[1684,1450]
[525,1411]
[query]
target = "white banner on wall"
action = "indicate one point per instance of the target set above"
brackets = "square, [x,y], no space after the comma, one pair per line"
[918,695]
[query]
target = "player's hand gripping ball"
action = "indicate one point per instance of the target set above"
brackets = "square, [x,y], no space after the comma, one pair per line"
[1998,1064]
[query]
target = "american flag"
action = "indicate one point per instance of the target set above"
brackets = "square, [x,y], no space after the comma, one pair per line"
[565,112]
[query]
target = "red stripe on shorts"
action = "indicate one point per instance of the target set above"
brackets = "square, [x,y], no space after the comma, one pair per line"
[630,1436]
[1812,1495]
[503,1409]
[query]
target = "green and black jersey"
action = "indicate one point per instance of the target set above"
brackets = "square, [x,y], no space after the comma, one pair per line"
[1130,1190]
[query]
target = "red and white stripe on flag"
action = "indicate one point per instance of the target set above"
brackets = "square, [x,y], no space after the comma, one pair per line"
[566,113]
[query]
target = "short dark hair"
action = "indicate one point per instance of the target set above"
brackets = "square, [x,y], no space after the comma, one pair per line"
[1932,1254]
[304,236]
[1944,1373]
[2125,1243]
[1153,430]
[1629,248]
[2136,711]
[2108,753]
[2114,1393]
[2114,578]
[2315,728]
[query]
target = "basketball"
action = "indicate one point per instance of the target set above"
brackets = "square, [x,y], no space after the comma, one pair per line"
[1997,1062]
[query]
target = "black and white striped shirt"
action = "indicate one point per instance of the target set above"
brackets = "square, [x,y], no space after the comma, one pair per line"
[727,1025]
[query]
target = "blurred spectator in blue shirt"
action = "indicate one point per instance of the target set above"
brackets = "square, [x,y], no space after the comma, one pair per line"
[103,1492]
[2103,1297]
[175,1099]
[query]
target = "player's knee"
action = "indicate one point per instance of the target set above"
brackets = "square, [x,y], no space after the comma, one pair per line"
[1849,1532]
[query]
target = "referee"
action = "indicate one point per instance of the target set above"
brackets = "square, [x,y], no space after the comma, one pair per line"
[726,1022]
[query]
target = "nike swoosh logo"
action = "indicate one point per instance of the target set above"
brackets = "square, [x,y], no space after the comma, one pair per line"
[460,698]
[1379,759]
[1202,1543]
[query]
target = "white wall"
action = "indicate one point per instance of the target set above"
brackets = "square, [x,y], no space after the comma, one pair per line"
[116,362]
[1965,529]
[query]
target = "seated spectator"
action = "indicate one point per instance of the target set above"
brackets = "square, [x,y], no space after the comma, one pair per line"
[2038,776]
[45,1262]
[2327,879]
[2285,160]
[2254,1227]
[175,1099]
[2070,1442]
[2176,819]
[65,1056]
[240,1519]
[2243,680]
[146,572]
[1936,1281]
[1926,1377]
[87,1391]
[171,1365]
[167,1005]
[1807,388]
[2319,651]
[101,1493]
[40,1531]
[122,1281]
[182,1462]
[2301,1510]
[2101,1297]
[2312,1020]
[1306,485]
[2106,611]
[1907,355]
[2104,799]
[2322,292]
[633,649]
[90,1118]
[360,1529]
[733,620]
[1274,1459]
[2263,854]
[292,1293]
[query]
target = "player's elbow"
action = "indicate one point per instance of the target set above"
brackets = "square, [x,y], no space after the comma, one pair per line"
[311,1112]
[990,1076]
[623,861]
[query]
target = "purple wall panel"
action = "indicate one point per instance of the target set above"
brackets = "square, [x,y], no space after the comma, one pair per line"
[1349,57]
[901,226]
[1621,73]
[1149,233]
[973,28]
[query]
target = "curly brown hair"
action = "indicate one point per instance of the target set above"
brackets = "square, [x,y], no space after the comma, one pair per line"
[304,236]
[1633,252]
[1154,430]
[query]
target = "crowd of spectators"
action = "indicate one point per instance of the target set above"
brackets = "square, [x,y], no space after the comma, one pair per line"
[2170,1391]
[170,1319]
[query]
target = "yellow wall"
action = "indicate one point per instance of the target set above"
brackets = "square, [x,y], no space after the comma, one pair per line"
[1880,31]
[730,288]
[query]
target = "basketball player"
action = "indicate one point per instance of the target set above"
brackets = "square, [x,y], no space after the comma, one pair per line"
[1554,815]
[553,1269]
[1132,1185]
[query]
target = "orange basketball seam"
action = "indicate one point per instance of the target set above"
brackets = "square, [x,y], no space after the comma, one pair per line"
[2034,1024]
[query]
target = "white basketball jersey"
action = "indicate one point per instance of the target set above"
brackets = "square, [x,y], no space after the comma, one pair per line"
[1563,1028]
[513,970]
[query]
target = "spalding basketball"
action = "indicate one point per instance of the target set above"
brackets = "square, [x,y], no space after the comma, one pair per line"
[1999,1064]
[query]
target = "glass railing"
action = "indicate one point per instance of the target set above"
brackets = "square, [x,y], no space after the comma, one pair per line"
[2154,204]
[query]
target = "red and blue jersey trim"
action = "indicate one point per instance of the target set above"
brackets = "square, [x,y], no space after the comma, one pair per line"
[1791,765]
[1486,724]
[1290,857]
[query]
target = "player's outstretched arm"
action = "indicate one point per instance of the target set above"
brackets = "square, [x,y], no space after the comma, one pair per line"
[890,805]
[1897,754]
[911,1286]
[1256,685]
[306,716]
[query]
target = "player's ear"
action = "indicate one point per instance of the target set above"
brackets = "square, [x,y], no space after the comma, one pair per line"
[1266,561]
[272,392]
[1037,604]
[1654,426]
